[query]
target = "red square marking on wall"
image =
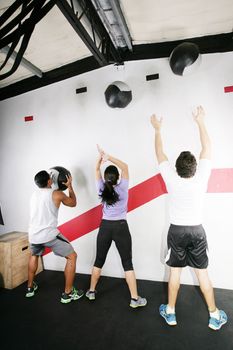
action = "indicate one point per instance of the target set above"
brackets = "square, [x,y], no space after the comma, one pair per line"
[228,89]
[28,118]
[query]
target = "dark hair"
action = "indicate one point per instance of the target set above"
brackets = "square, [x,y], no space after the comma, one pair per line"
[186,164]
[109,195]
[41,179]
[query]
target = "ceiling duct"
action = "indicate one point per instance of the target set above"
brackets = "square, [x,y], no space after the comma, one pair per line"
[113,19]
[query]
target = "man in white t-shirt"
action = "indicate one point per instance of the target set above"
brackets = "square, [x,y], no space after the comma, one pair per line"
[187,244]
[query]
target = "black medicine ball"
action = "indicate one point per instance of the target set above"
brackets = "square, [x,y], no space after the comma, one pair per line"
[58,175]
[118,95]
[183,56]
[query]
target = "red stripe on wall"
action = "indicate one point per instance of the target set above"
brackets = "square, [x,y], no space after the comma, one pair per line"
[221,180]
[228,89]
[146,191]
[81,225]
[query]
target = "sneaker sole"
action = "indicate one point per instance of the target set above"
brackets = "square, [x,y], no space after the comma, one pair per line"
[29,295]
[173,323]
[66,301]
[135,306]
[217,328]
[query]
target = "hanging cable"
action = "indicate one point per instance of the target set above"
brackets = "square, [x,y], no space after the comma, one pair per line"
[38,10]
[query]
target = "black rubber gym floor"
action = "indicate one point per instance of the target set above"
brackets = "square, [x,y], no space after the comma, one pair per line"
[42,322]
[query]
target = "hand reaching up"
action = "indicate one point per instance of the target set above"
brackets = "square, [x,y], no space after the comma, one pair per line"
[156,123]
[199,114]
[103,155]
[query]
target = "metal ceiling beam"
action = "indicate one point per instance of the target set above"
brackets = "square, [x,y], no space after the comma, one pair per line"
[68,12]
[25,63]
[53,76]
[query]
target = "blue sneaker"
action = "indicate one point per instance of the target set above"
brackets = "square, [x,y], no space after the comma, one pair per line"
[169,318]
[216,324]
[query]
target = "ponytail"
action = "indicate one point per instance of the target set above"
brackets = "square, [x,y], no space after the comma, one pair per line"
[109,195]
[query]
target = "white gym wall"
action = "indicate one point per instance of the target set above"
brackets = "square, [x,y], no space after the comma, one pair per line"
[66,128]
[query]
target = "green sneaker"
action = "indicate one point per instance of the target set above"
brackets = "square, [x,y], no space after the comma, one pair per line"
[75,294]
[31,290]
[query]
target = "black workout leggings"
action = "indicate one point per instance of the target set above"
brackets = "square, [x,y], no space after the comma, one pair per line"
[117,231]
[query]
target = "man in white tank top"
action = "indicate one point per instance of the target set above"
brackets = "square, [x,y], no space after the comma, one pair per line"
[43,232]
[187,243]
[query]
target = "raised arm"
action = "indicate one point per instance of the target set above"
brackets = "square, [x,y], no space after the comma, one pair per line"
[157,124]
[123,166]
[60,197]
[97,168]
[199,117]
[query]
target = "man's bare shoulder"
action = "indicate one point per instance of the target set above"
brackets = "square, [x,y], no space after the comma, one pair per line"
[57,194]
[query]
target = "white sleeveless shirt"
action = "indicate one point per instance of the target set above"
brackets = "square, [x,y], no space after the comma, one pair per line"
[43,217]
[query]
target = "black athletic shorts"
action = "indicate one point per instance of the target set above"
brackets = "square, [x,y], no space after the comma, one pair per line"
[187,246]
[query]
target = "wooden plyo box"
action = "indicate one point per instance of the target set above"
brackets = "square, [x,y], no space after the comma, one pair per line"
[14,256]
